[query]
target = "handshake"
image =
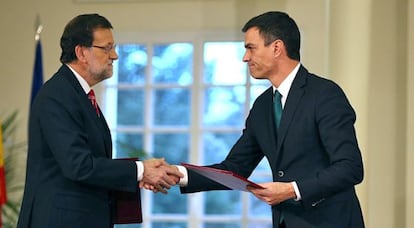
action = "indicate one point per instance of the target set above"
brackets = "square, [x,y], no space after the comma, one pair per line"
[159,176]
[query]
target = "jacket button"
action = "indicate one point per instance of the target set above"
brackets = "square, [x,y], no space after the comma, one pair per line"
[280,173]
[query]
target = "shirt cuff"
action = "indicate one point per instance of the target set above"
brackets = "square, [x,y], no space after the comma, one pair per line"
[140,170]
[295,186]
[184,180]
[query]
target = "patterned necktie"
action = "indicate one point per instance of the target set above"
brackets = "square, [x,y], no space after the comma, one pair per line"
[278,108]
[92,98]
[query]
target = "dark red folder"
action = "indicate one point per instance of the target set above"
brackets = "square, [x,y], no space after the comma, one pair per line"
[224,177]
[126,206]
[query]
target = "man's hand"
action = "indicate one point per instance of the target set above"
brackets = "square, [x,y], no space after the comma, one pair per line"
[274,192]
[159,175]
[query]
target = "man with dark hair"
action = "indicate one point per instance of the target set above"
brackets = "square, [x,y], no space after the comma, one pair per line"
[304,125]
[70,170]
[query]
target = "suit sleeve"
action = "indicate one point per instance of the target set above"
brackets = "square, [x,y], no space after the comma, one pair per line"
[75,142]
[242,159]
[335,120]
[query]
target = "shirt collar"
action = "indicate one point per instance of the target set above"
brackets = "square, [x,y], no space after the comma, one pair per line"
[82,81]
[287,83]
[284,87]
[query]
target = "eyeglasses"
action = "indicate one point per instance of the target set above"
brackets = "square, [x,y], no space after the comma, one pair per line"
[107,49]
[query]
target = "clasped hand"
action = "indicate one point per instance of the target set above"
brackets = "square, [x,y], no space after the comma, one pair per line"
[159,176]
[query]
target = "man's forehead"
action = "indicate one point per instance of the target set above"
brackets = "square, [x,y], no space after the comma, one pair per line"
[103,34]
[253,31]
[252,36]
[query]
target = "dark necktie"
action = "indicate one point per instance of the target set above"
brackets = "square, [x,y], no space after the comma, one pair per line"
[278,115]
[278,108]
[92,98]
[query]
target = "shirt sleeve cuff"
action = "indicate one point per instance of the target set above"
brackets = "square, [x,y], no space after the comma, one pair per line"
[184,180]
[140,170]
[295,186]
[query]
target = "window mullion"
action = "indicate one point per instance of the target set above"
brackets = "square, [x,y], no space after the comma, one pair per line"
[148,135]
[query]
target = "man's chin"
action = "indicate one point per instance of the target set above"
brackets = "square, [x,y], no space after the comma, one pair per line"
[255,75]
[107,76]
[258,77]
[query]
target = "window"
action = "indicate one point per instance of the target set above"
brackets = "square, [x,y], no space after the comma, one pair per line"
[186,102]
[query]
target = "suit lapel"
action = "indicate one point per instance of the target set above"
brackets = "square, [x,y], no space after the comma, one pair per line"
[103,127]
[106,135]
[296,92]
[104,131]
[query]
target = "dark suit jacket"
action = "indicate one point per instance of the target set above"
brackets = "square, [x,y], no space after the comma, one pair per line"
[70,173]
[315,146]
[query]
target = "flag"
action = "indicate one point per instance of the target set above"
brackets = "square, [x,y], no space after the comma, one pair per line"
[3,196]
[37,71]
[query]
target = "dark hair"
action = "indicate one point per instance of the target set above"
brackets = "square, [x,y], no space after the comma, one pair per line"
[79,31]
[277,25]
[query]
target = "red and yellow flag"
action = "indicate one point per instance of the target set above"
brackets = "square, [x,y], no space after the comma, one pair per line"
[3,196]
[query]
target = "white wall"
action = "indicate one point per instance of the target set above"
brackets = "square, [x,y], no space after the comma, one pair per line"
[366,46]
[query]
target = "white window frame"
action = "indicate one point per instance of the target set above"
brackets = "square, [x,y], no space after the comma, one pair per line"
[195,217]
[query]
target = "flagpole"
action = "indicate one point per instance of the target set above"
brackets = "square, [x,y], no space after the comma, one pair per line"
[37,79]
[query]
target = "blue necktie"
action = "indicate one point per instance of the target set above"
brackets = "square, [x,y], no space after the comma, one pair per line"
[278,108]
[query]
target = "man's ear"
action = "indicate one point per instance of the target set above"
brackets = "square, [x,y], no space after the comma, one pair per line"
[80,52]
[278,47]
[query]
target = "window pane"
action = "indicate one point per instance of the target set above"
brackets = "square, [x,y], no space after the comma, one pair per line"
[259,208]
[264,166]
[173,63]
[256,90]
[260,225]
[224,106]
[217,146]
[172,203]
[130,107]
[223,63]
[262,81]
[168,225]
[172,107]
[222,225]
[132,59]
[174,148]
[127,145]
[222,202]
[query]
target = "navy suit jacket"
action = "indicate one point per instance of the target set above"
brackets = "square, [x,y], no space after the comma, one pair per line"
[315,146]
[70,173]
